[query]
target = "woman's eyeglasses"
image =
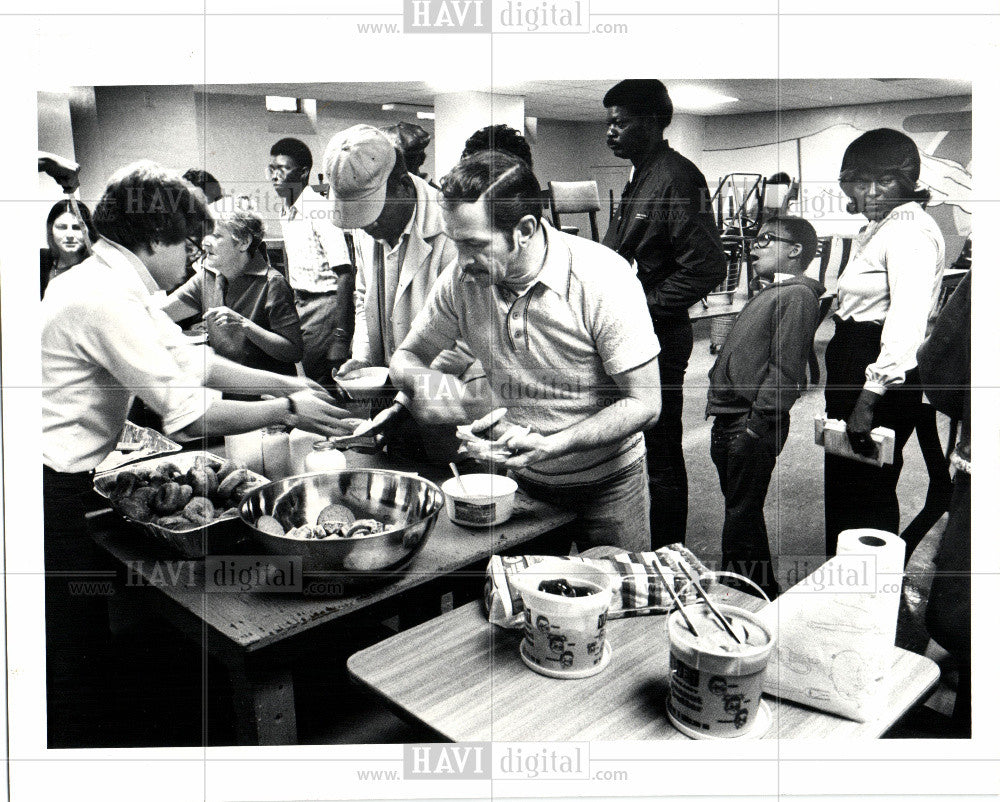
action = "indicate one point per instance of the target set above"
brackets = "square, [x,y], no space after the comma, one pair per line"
[767,238]
[882,184]
[194,247]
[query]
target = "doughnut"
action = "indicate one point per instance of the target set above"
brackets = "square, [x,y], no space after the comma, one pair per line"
[199,510]
[169,498]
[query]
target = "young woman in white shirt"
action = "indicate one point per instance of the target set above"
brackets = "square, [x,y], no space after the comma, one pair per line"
[885,296]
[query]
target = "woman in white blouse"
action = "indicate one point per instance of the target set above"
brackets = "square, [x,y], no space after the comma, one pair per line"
[885,296]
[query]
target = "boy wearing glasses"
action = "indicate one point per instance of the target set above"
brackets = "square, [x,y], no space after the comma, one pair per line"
[753,384]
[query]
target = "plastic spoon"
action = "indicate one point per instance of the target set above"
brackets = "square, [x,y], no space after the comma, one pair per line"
[458,477]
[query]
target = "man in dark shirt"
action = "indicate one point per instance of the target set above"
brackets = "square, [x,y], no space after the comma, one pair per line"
[664,226]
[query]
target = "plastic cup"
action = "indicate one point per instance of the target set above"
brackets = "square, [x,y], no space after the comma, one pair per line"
[488,499]
[564,636]
[716,683]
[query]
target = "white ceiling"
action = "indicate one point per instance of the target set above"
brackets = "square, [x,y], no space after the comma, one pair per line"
[581,100]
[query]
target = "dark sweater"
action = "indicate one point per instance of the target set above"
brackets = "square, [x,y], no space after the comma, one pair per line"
[665,223]
[762,364]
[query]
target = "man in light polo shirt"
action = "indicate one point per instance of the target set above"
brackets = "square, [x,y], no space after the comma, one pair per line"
[561,327]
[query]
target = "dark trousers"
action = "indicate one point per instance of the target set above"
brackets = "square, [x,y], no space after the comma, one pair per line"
[745,463]
[668,489]
[860,495]
[76,622]
[949,614]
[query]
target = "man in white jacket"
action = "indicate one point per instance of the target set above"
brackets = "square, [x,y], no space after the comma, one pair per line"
[371,190]
[398,262]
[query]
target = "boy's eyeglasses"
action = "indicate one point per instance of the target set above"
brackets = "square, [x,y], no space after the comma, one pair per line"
[766,239]
[280,170]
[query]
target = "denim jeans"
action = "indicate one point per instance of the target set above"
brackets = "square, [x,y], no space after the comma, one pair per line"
[613,512]
[745,463]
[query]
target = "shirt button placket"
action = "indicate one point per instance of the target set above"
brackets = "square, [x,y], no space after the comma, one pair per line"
[517,324]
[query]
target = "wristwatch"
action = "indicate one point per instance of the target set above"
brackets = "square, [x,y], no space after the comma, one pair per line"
[292,414]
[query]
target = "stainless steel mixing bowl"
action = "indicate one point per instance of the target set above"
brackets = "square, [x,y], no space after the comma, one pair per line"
[406,503]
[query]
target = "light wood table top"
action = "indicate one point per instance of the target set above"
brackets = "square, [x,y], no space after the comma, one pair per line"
[463,678]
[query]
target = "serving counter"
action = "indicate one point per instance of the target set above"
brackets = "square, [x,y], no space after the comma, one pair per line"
[259,636]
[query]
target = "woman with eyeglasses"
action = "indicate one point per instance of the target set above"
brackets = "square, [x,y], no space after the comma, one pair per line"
[885,296]
[65,237]
[247,305]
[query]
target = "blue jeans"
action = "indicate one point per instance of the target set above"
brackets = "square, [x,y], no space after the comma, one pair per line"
[612,512]
[745,463]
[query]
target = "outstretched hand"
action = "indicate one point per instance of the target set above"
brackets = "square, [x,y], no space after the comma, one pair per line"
[317,415]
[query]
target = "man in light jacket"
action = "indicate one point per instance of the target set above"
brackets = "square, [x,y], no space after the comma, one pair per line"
[405,252]
[371,190]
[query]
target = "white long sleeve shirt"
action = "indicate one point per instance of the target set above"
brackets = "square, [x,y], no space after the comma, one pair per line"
[894,278]
[104,341]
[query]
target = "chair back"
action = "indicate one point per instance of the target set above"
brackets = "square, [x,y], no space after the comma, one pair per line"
[834,254]
[575,197]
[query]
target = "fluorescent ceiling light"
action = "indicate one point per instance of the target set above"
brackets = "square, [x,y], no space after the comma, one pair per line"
[411,108]
[282,103]
[425,115]
[697,98]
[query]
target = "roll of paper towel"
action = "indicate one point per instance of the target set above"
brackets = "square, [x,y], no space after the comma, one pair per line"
[836,628]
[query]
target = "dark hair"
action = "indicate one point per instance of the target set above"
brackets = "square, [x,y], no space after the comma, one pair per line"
[499,137]
[642,97]
[400,168]
[504,182]
[294,149]
[206,182]
[412,139]
[58,210]
[145,203]
[799,230]
[780,178]
[884,151]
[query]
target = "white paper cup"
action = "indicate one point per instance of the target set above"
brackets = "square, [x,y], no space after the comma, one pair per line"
[564,636]
[488,500]
[716,683]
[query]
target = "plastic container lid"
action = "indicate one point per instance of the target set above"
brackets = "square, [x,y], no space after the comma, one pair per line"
[714,650]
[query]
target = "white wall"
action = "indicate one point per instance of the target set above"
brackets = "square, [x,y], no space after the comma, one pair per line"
[231,135]
[809,144]
[570,150]
[458,114]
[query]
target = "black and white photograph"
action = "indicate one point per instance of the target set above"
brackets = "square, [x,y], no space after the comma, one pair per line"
[422,428]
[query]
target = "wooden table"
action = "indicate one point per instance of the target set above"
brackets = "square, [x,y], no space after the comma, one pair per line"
[463,678]
[258,635]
